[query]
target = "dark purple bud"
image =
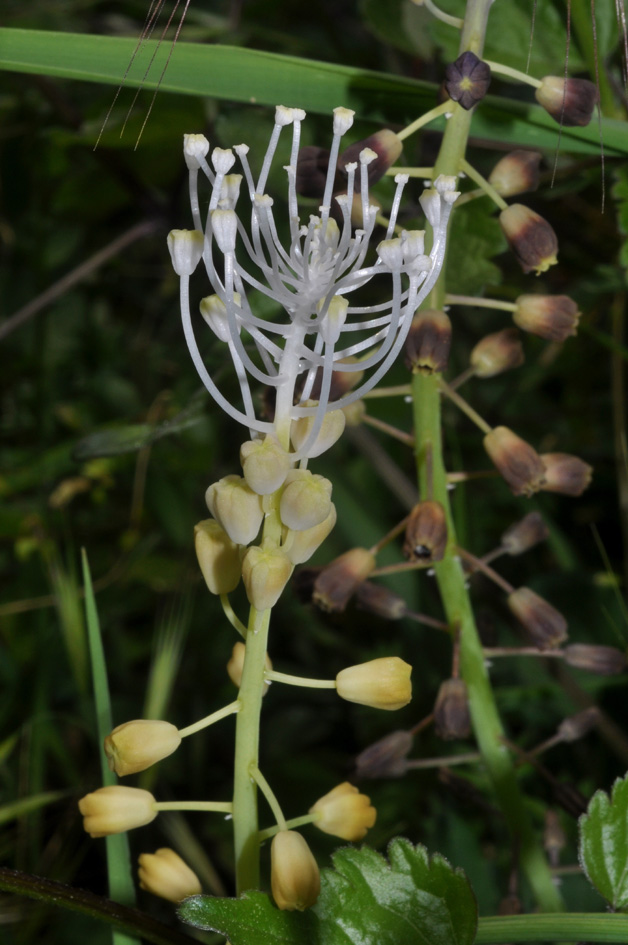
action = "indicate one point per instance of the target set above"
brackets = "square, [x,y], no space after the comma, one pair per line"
[467,80]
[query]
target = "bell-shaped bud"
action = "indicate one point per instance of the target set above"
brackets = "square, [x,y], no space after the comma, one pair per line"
[265,464]
[236,665]
[428,342]
[164,874]
[545,626]
[236,507]
[265,573]
[135,746]
[566,474]
[186,249]
[516,173]
[426,532]
[530,237]
[294,875]
[115,809]
[344,813]
[601,660]
[299,546]
[305,500]
[553,317]
[386,758]
[382,683]
[497,353]
[377,599]
[331,430]
[519,464]
[218,557]
[569,101]
[525,534]
[452,718]
[467,80]
[336,584]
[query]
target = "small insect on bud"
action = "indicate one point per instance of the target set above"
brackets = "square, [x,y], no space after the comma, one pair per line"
[305,500]
[344,813]
[497,353]
[265,573]
[336,584]
[236,507]
[467,80]
[163,873]
[383,683]
[569,101]
[553,317]
[265,464]
[115,809]
[377,599]
[294,876]
[236,665]
[386,758]
[566,474]
[525,534]
[518,463]
[545,626]
[218,557]
[428,342]
[452,718]
[530,237]
[516,173]
[426,532]
[577,726]
[135,746]
[299,546]
[602,660]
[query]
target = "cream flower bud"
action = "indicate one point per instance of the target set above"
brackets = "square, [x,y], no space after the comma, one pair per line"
[236,507]
[299,546]
[344,813]
[236,665]
[331,430]
[305,500]
[163,873]
[516,173]
[265,464]
[496,353]
[294,876]
[186,249]
[218,557]
[382,683]
[135,746]
[553,317]
[265,574]
[115,809]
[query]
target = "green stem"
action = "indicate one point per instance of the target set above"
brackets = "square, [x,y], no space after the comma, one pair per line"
[209,807]
[288,825]
[271,798]
[272,675]
[210,719]
[553,928]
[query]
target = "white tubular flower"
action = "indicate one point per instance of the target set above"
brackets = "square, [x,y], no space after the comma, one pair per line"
[317,281]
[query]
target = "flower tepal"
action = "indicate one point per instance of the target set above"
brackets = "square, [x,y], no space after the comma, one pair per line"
[316,329]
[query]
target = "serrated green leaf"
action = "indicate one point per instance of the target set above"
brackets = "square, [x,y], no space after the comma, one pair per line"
[475,238]
[364,899]
[604,844]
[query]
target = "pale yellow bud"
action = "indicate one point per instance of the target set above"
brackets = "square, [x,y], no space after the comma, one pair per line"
[344,813]
[135,746]
[115,809]
[163,873]
[300,546]
[265,573]
[305,500]
[236,507]
[265,464]
[383,683]
[218,557]
[294,876]
[331,430]
[236,665]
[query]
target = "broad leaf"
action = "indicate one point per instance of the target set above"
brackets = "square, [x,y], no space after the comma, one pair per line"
[364,899]
[475,238]
[604,844]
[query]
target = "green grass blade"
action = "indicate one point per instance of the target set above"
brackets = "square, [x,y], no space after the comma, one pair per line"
[252,76]
[121,888]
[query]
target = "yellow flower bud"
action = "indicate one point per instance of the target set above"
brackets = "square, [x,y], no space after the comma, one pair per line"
[305,500]
[383,683]
[265,574]
[115,809]
[218,557]
[135,746]
[236,507]
[163,873]
[300,546]
[331,430]
[344,813]
[236,665]
[265,464]
[294,876]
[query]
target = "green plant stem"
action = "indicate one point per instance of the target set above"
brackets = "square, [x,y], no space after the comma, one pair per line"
[272,675]
[209,807]
[271,798]
[553,928]
[289,825]
[210,719]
